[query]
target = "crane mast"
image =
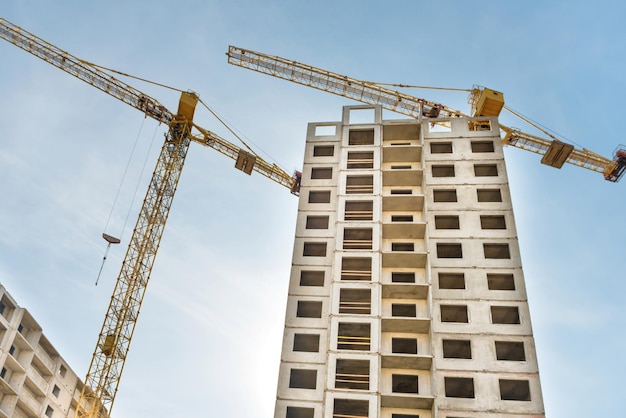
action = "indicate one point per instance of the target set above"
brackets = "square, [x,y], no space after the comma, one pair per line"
[485,102]
[109,357]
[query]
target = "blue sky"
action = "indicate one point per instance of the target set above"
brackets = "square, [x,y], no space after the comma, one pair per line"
[208,341]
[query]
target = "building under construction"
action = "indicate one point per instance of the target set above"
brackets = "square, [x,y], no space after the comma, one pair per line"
[35,381]
[406,296]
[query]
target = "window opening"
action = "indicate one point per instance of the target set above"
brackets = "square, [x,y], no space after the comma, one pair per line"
[482,146]
[404,383]
[317,222]
[360,160]
[401,218]
[514,390]
[314,249]
[321,173]
[359,184]
[459,387]
[498,251]
[510,351]
[323,151]
[312,278]
[357,239]
[402,277]
[325,130]
[404,345]
[299,412]
[353,336]
[309,309]
[492,222]
[454,313]
[447,222]
[355,301]
[460,349]
[308,343]
[303,379]
[402,246]
[319,196]
[356,268]
[485,170]
[444,195]
[449,250]
[505,315]
[443,170]
[500,281]
[489,195]
[359,210]
[352,374]
[404,310]
[361,137]
[350,408]
[441,147]
[451,281]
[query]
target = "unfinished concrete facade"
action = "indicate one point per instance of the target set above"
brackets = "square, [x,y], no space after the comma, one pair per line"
[35,382]
[406,295]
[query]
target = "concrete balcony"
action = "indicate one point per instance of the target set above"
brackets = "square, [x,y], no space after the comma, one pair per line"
[403,203]
[404,230]
[45,360]
[404,260]
[402,153]
[38,383]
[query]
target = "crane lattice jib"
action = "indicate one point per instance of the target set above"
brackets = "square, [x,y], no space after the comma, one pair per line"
[581,158]
[337,84]
[402,103]
[84,71]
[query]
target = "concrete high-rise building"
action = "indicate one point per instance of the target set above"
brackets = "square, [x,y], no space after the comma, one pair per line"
[406,296]
[35,381]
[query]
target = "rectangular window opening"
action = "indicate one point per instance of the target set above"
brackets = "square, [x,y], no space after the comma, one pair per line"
[408,310]
[319,196]
[500,281]
[360,159]
[492,222]
[358,116]
[308,343]
[309,309]
[357,238]
[352,374]
[447,222]
[355,301]
[459,387]
[444,195]
[361,137]
[323,150]
[404,383]
[350,408]
[314,249]
[443,170]
[452,250]
[402,246]
[505,315]
[402,277]
[353,336]
[325,130]
[321,173]
[356,268]
[485,170]
[312,278]
[300,412]
[303,379]
[359,184]
[317,222]
[451,280]
[510,351]
[460,349]
[404,345]
[401,218]
[454,313]
[514,390]
[441,147]
[401,191]
[497,251]
[489,195]
[482,146]
[479,125]
[359,210]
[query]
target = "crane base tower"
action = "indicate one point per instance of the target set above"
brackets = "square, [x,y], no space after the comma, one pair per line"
[406,296]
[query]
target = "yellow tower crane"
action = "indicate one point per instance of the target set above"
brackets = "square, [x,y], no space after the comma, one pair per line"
[485,102]
[109,357]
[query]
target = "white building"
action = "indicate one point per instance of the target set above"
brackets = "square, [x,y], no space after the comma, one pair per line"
[406,295]
[35,381]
